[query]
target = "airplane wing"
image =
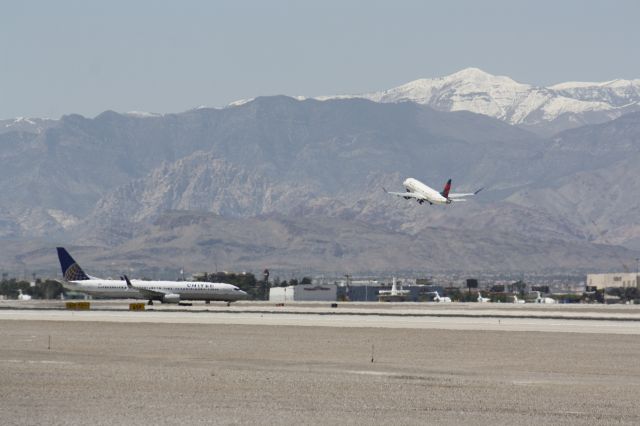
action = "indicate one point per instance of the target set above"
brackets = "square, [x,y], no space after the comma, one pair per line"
[151,294]
[406,194]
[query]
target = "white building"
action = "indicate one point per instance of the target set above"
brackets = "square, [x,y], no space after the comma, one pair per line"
[304,293]
[624,279]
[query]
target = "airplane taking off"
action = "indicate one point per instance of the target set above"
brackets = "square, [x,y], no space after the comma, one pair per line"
[421,193]
[163,291]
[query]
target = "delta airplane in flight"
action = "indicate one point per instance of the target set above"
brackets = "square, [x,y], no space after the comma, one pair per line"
[164,291]
[421,193]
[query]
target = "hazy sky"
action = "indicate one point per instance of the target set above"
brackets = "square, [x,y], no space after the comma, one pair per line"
[60,57]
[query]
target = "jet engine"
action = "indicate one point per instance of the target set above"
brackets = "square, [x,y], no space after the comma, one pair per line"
[171,298]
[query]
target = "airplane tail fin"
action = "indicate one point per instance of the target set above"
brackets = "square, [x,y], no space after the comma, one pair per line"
[71,271]
[447,188]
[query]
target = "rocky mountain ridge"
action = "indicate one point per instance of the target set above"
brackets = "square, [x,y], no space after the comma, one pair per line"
[107,184]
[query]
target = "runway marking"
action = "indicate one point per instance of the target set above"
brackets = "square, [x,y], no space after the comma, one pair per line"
[372,373]
[44,361]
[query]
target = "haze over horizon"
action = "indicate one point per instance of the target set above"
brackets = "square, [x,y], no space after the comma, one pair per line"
[72,57]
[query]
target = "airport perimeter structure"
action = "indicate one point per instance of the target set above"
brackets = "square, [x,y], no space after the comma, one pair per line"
[257,363]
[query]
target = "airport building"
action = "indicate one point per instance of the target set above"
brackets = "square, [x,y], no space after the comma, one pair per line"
[304,293]
[620,280]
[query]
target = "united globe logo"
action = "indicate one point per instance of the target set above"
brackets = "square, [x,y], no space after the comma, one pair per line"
[75,273]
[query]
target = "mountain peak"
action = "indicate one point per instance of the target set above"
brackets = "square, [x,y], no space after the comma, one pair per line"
[478,76]
[469,75]
[475,90]
[471,72]
[546,110]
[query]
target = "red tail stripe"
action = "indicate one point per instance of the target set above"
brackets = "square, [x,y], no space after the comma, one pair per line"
[447,187]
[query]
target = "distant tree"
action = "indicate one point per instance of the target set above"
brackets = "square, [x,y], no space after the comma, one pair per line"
[49,289]
[468,297]
[499,298]
[569,298]
[37,291]
[293,281]
[262,290]
[519,287]
[614,291]
[630,293]
[454,294]
[305,280]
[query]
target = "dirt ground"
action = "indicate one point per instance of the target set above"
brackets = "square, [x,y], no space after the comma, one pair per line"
[129,373]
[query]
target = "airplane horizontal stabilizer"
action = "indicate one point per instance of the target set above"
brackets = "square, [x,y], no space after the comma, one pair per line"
[466,194]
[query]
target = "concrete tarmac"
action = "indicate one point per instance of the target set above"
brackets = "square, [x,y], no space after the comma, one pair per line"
[216,367]
[554,324]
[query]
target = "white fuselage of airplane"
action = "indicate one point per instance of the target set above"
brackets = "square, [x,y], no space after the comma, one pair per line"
[186,290]
[430,195]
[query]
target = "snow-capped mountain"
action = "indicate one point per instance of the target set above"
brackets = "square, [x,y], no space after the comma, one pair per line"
[24,124]
[545,110]
[618,93]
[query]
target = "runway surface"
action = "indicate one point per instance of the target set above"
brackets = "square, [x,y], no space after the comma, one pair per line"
[211,366]
[612,319]
[339,321]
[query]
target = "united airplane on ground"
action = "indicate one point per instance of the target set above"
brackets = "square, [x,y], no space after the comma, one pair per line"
[164,291]
[421,193]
